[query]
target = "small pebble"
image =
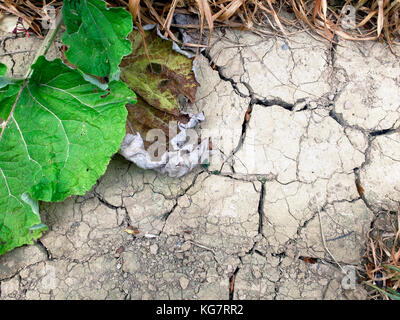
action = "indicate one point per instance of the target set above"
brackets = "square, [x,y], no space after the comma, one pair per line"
[184,282]
[153,249]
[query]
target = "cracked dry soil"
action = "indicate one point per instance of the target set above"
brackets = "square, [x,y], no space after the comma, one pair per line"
[306,151]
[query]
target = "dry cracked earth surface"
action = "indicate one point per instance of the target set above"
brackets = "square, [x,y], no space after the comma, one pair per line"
[306,154]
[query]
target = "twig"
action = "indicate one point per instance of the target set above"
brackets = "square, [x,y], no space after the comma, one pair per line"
[324,242]
[44,47]
[201,246]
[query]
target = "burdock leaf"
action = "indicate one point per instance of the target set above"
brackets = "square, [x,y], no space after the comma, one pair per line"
[59,133]
[161,80]
[4,80]
[3,69]
[142,118]
[96,36]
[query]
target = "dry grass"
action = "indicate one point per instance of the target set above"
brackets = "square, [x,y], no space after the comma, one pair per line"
[382,266]
[374,19]
[32,11]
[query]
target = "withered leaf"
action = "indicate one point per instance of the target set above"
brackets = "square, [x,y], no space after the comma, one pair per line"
[142,117]
[309,260]
[158,83]
[132,230]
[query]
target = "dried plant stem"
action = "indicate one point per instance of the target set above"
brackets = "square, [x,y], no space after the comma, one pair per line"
[324,242]
[44,47]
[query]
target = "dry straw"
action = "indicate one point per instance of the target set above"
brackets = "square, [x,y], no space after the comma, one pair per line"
[382,259]
[374,19]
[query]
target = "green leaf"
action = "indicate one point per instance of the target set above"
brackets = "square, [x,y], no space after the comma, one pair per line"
[96,36]
[161,80]
[59,136]
[392,267]
[4,80]
[394,292]
[395,296]
[3,69]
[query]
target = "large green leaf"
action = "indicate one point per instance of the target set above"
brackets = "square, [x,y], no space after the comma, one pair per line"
[3,69]
[96,36]
[4,80]
[59,136]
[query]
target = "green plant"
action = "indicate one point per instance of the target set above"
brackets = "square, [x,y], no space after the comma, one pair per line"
[391,278]
[382,265]
[58,129]
[389,292]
